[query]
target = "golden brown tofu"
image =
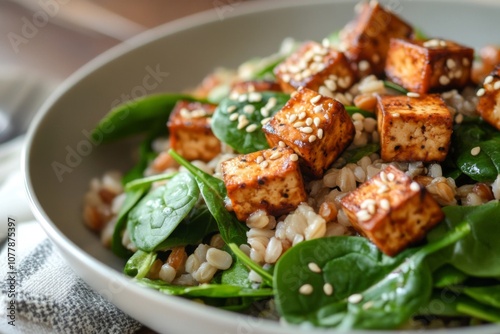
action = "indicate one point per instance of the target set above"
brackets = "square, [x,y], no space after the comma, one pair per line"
[314,66]
[243,87]
[429,66]
[190,132]
[268,180]
[392,210]
[413,129]
[489,98]
[366,39]
[316,127]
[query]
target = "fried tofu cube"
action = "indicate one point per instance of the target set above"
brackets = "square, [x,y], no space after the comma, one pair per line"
[190,132]
[244,87]
[316,127]
[392,210]
[414,129]
[366,39]
[429,66]
[489,98]
[316,67]
[268,180]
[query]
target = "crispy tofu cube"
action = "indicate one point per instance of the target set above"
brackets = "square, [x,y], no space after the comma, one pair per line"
[268,180]
[489,99]
[190,132]
[243,87]
[413,129]
[316,127]
[392,210]
[316,67]
[429,66]
[366,39]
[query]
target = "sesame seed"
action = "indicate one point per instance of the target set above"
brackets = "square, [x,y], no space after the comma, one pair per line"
[320,133]
[292,118]
[328,289]
[459,119]
[318,109]
[265,120]
[242,98]
[496,85]
[264,164]
[271,103]
[251,128]
[306,289]
[264,111]
[451,63]
[317,121]
[444,80]
[344,82]
[307,73]
[315,99]
[234,96]
[259,159]
[185,113]
[233,117]
[382,189]
[299,124]
[302,115]
[415,186]
[363,65]
[396,114]
[294,157]
[312,138]
[384,204]
[325,42]
[412,94]
[355,298]
[488,79]
[367,305]
[331,85]
[286,77]
[391,177]
[363,215]
[249,108]
[242,124]
[281,144]
[372,208]
[314,267]
[458,74]
[367,202]
[254,97]
[275,155]
[465,61]
[309,121]
[306,129]
[480,92]
[232,108]
[475,151]
[383,176]
[318,58]
[442,43]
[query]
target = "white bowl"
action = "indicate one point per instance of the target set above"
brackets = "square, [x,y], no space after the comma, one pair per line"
[187,50]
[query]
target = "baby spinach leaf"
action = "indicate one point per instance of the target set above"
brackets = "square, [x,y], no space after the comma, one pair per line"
[443,302]
[394,86]
[266,277]
[354,155]
[478,253]
[214,193]
[351,110]
[205,290]
[137,116]
[147,181]
[368,289]
[485,166]
[478,310]
[226,120]
[488,295]
[448,275]
[131,199]
[160,212]
[139,264]
[197,225]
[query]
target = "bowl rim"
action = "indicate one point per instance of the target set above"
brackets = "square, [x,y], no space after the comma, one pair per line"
[70,250]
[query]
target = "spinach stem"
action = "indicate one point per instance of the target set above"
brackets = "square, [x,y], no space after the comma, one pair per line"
[268,278]
[458,233]
[396,87]
[137,183]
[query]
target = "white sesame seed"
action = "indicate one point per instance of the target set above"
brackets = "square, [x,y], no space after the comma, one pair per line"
[242,124]
[396,114]
[309,121]
[488,79]
[382,189]
[259,159]
[314,267]
[363,215]
[281,144]
[366,203]
[271,103]
[465,61]
[412,94]
[363,65]
[306,129]
[496,85]
[233,117]
[315,99]
[391,177]
[384,204]
[264,111]
[318,58]
[312,138]
[317,121]
[328,289]
[331,85]
[372,208]
[383,176]
[325,42]
[251,128]
[481,92]
[294,157]
[355,298]
[232,108]
[302,115]
[254,97]
[320,133]
[459,119]
[444,80]
[275,155]
[299,124]
[286,77]
[265,120]
[415,186]
[475,151]
[368,305]
[306,289]
[307,73]
[242,98]
[318,108]
[451,63]
[234,96]
[264,164]
[292,118]
[249,108]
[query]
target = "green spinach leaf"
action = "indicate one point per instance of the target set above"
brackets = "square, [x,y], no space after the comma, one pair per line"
[354,155]
[244,259]
[227,120]
[479,310]
[488,295]
[214,193]
[448,275]
[139,264]
[160,212]
[394,86]
[478,253]
[147,181]
[351,110]
[137,116]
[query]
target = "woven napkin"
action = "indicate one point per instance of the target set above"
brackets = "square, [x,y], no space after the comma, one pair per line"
[50,297]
